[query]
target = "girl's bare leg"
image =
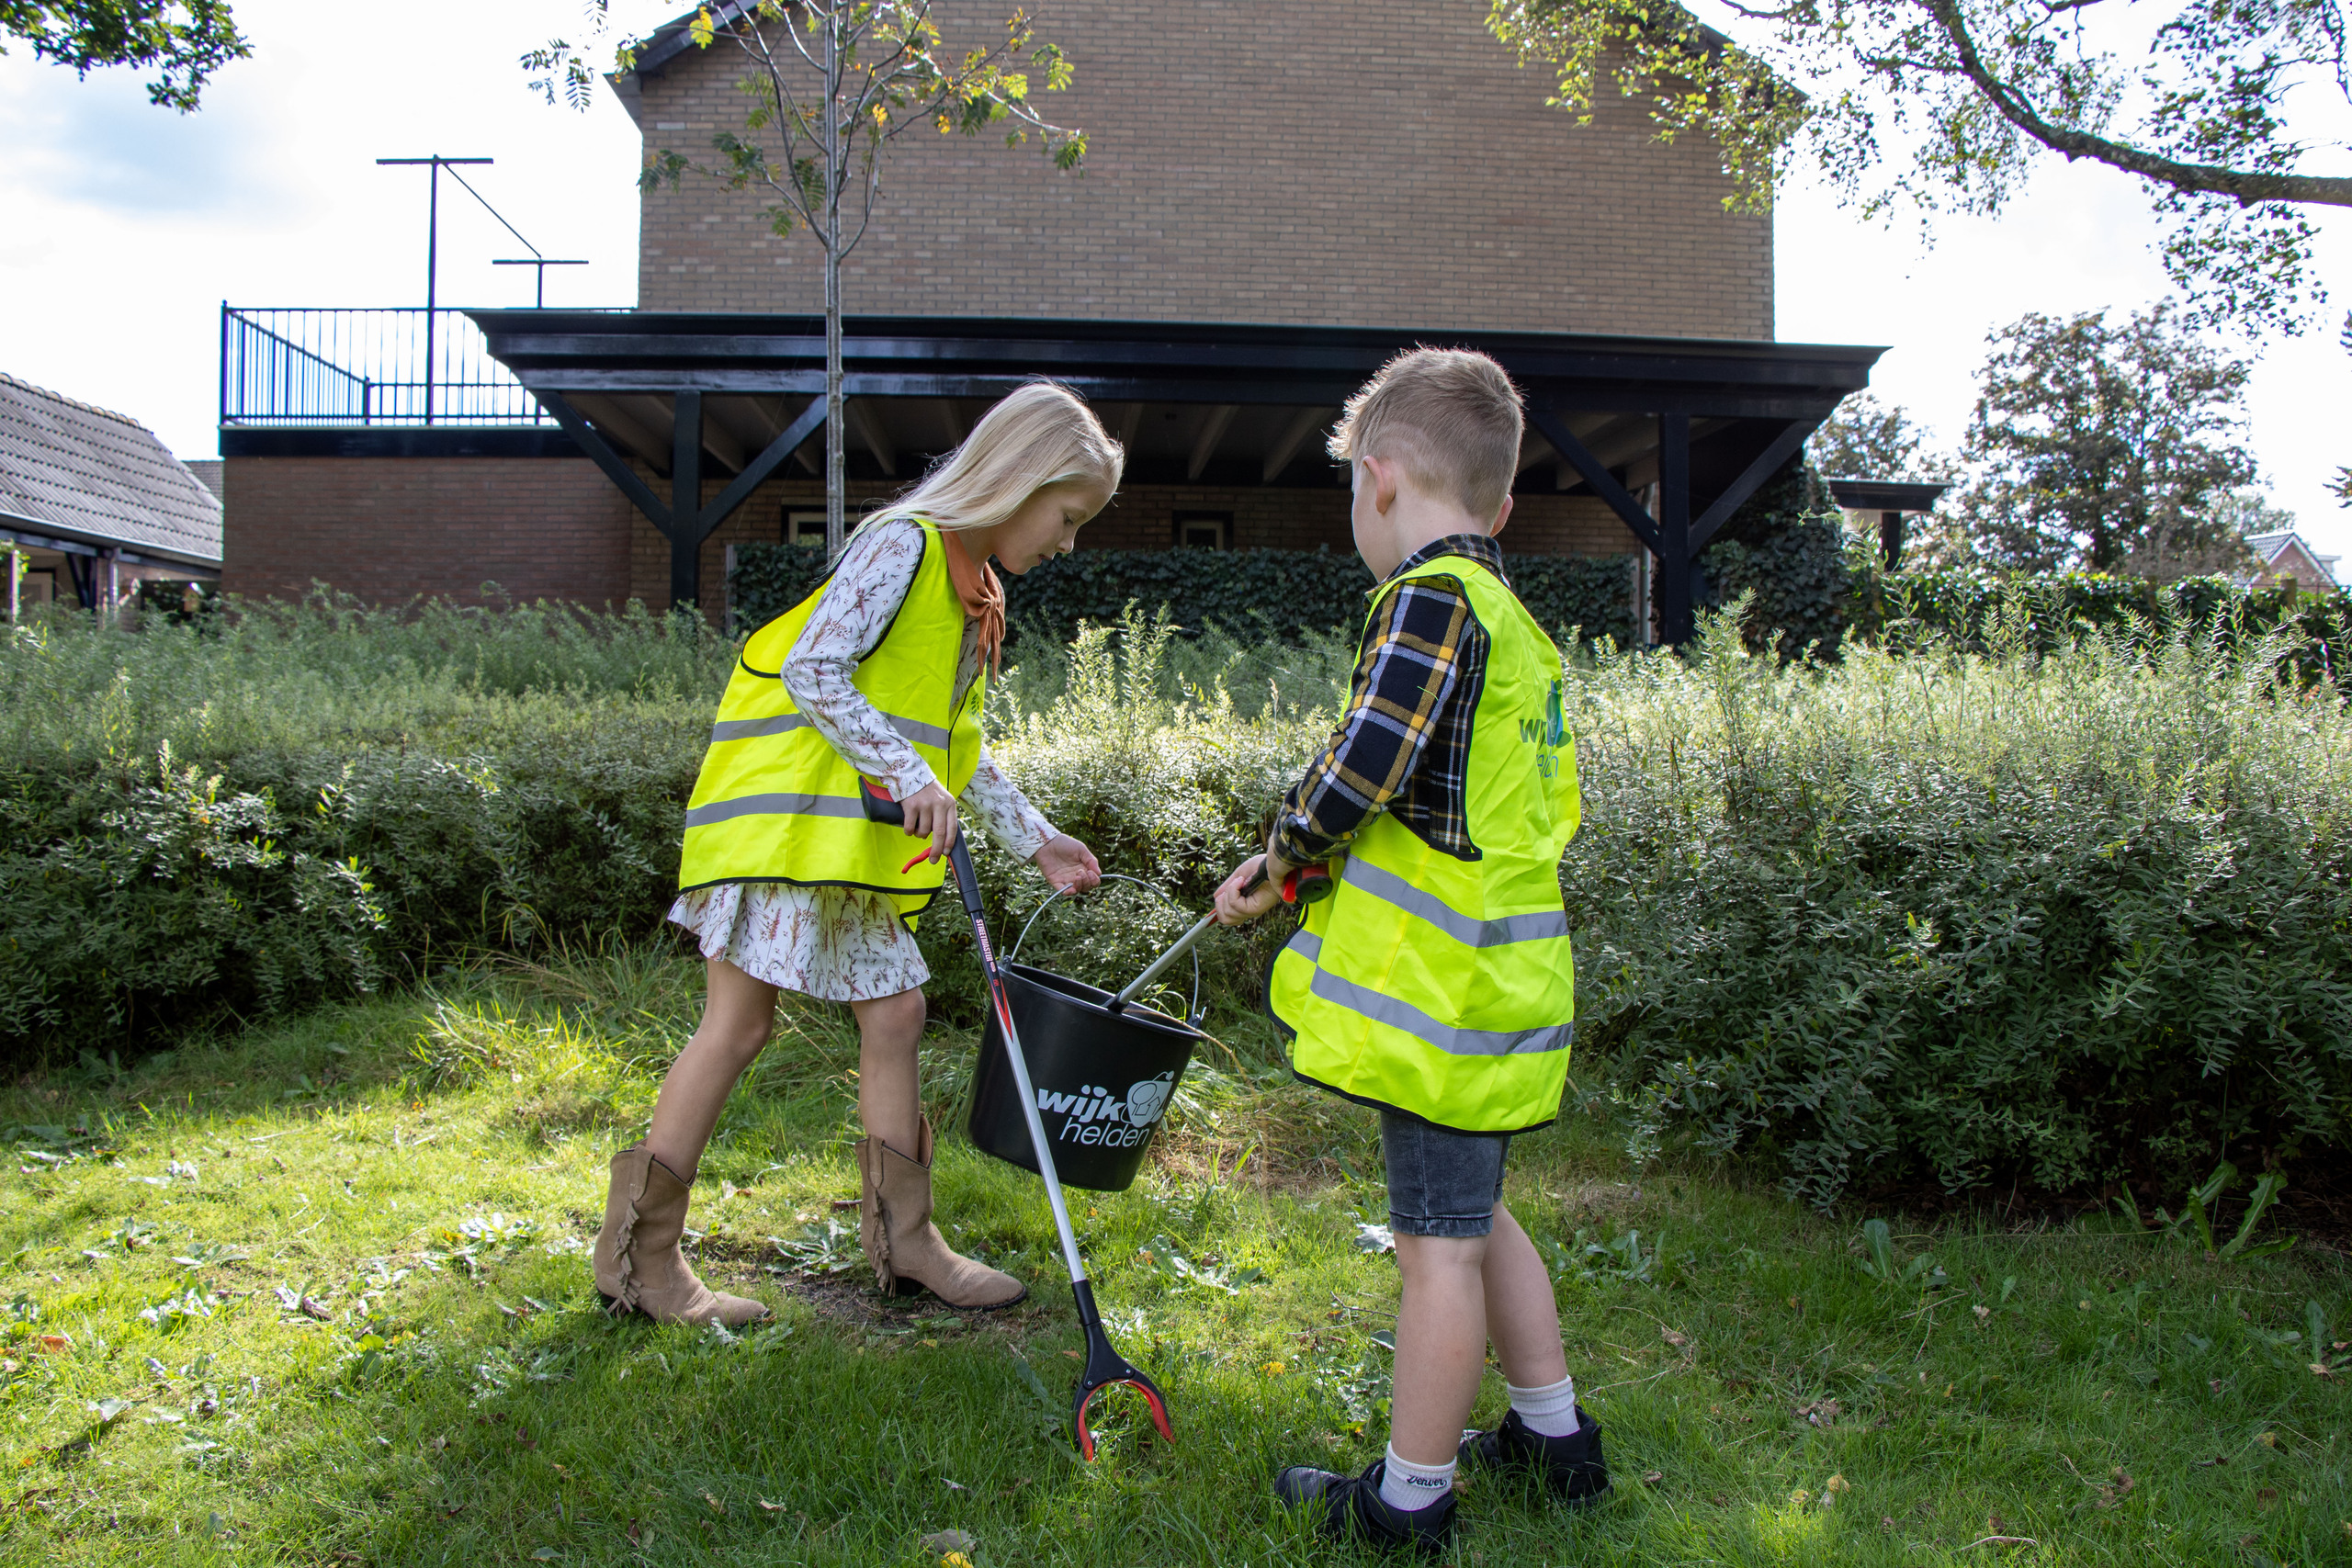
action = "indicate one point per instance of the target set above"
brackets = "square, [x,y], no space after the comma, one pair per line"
[738,1014]
[889,1082]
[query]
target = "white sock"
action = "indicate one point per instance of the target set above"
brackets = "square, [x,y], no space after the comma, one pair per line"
[1548,1412]
[1410,1487]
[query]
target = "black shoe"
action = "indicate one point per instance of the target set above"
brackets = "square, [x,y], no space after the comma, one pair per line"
[1571,1466]
[1356,1512]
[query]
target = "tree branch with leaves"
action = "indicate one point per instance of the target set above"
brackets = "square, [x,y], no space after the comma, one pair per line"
[1948,104]
[830,85]
[188,38]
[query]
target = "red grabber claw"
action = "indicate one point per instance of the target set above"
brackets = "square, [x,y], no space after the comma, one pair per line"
[1105,1367]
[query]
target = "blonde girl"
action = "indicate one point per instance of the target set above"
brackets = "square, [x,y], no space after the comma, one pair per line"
[879,675]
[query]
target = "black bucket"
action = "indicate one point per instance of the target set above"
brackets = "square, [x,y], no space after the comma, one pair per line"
[1103,1079]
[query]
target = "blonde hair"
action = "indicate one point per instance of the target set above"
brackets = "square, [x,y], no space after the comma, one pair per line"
[1041,434]
[1448,417]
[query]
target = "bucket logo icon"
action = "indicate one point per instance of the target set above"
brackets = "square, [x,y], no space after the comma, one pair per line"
[1146,1099]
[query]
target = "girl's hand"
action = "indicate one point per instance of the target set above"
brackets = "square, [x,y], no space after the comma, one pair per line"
[930,814]
[1070,865]
[1235,908]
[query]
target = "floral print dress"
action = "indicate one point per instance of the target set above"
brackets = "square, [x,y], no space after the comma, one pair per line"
[845,944]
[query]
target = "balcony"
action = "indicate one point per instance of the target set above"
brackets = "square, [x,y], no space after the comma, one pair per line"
[338,368]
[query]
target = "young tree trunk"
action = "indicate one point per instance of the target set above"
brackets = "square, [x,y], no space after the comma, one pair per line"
[836,486]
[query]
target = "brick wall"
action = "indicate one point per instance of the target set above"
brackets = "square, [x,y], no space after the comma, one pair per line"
[389,528]
[1315,161]
[1142,517]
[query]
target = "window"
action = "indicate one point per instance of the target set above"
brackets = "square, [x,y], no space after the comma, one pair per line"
[1204,530]
[805,526]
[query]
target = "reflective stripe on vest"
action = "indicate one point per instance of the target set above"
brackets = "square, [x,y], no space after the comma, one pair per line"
[775,803]
[1445,987]
[1421,1026]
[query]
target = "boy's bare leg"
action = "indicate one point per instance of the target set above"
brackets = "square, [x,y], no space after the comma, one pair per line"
[1522,1316]
[738,1013]
[1440,1344]
[889,1083]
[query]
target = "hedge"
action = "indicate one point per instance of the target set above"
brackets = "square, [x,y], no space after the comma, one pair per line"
[1943,913]
[1282,593]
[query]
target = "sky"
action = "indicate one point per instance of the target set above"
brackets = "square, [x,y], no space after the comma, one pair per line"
[127,226]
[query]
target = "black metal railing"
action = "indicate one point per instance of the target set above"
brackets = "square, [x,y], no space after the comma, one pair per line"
[407,365]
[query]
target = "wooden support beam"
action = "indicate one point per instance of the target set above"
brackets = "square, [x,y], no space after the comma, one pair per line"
[1767,463]
[600,452]
[1303,423]
[868,427]
[1533,449]
[685,500]
[1556,430]
[755,472]
[1212,432]
[721,443]
[1675,622]
[617,422]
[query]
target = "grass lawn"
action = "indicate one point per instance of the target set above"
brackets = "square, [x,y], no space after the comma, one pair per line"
[322,1295]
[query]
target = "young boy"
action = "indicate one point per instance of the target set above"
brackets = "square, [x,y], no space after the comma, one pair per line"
[1435,983]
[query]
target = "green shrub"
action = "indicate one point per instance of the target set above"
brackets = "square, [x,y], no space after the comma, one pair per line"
[2012,907]
[1963,916]
[1285,594]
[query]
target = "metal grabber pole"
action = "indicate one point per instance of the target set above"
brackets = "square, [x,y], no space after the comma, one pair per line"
[1105,1367]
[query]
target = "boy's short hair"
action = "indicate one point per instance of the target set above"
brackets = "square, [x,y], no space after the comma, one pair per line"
[1448,417]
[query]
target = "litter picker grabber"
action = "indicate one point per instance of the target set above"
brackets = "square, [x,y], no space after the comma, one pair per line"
[1105,1367]
[1305,885]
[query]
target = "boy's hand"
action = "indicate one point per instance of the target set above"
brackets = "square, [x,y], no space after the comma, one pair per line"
[1070,865]
[1235,908]
[930,814]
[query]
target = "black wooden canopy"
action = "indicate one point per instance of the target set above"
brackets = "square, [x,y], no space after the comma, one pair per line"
[1698,424]
[1890,499]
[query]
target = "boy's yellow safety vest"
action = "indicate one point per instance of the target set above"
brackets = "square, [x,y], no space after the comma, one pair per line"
[774,803]
[1442,988]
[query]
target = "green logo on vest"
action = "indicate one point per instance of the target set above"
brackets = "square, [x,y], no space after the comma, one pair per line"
[1551,731]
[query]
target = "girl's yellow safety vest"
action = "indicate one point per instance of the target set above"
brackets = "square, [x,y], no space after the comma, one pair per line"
[774,803]
[1442,988]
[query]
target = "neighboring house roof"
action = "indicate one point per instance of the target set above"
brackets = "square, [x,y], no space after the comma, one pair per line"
[97,478]
[2277,552]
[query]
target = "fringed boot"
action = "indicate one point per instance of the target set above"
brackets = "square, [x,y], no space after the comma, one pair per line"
[907,1253]
[638,1265]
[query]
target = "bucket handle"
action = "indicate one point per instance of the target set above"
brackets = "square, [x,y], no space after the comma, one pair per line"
[1193,1016]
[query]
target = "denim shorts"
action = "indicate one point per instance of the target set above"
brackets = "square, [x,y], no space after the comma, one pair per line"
[1441,1183]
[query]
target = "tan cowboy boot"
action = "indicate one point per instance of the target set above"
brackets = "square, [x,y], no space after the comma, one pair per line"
[906,1249]
[639,1265]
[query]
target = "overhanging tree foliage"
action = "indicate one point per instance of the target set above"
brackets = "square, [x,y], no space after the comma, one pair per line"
[831,86]
[188,38]
[2215,104]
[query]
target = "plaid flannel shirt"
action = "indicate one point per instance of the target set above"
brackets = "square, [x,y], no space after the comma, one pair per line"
[1405,740]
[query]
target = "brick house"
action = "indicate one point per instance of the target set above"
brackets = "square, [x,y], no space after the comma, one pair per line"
[92,503]
[1277,199]
[2287,556]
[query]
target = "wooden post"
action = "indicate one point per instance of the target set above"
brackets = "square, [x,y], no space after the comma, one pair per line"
[1674,613]
[1890,539]
[686,501]
[16,583]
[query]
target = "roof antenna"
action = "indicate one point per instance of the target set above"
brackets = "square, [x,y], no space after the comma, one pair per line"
[433,250]
[539,301]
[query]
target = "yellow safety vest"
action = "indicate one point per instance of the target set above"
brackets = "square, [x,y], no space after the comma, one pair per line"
[774,803]
[1444,988]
